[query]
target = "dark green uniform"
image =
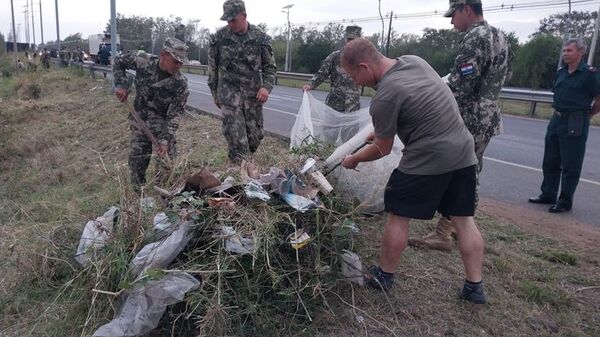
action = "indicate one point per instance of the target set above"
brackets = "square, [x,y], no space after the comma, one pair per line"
[567,131]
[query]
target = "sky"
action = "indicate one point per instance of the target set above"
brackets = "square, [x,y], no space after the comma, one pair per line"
[90,16]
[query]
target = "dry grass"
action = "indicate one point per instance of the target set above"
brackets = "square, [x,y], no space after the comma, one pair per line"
[63,162]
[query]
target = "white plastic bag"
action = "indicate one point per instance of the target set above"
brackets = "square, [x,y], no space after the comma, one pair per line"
[161,253]
[145,304]
[95,236]
[316,120]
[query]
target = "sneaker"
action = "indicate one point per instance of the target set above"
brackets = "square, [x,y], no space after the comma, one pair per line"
[378,281]
[473,293]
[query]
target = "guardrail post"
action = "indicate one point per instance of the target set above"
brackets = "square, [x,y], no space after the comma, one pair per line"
[276,79]
[92,72]
[532,107]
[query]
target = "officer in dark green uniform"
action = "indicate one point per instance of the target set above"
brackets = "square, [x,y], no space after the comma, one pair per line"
[576,85]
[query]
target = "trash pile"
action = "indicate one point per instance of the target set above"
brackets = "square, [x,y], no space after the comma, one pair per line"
[250,254]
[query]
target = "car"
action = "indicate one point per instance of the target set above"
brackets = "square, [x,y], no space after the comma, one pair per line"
[194,63]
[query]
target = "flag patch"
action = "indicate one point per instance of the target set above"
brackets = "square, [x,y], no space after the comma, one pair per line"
[467,69]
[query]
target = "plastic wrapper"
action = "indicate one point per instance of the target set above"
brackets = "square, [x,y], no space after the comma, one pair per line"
[96,234]
[145,304]
[161,253]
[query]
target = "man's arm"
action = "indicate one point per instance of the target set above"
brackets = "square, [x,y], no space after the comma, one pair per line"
[176,109]
[213,69]
[268,70]
[380,147]
[130,60]
[323,73]
[596,107]
[467,67]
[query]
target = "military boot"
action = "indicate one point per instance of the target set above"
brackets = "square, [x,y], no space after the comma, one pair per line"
[440,239]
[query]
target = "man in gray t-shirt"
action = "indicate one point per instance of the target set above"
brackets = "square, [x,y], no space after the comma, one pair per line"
[437,171]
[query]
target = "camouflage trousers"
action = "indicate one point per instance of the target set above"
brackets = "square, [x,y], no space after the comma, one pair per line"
[140,155]
[481,143]
[242,128]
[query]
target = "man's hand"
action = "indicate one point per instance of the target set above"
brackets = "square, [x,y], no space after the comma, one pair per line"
[306,87]
[262,95]
[217,103]
[349,162]
[162,150]
[122,94]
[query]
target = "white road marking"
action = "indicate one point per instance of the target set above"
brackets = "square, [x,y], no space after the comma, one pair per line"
[534,169]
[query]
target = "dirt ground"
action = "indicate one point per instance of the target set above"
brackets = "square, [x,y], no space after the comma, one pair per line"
[583,236]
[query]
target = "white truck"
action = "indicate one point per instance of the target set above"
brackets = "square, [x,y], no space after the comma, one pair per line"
[98,42]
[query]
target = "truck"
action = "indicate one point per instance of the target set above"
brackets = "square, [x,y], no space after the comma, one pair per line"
[99,45]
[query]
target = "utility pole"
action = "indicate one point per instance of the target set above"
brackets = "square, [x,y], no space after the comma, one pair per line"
[57,26]
[113,30]
[387,48]
[41,23]
[594,39]
[288,62]
[12,11]
[26,16]
[33,25]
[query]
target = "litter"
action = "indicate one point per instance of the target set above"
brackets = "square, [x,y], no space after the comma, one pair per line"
[254,190]
[145,304]
[235,243]
[299,239]
[96,234]
[226,204]
[298,202]
[161,253]
[352,267]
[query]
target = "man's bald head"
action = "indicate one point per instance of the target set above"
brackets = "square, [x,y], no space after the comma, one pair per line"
[360,51]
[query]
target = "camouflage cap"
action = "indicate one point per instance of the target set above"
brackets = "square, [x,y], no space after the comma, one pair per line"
[454,4]
[353,32]
[177,49]
[231,8]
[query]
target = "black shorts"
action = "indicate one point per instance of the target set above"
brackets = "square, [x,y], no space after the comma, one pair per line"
[419,196]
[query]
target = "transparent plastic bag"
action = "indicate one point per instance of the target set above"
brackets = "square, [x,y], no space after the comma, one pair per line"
[96,234]
[145,304]
[316,120]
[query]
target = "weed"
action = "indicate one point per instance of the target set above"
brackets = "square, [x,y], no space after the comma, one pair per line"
[543,295]
[561,257]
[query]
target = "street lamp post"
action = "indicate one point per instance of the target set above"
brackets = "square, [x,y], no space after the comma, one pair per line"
[288,61]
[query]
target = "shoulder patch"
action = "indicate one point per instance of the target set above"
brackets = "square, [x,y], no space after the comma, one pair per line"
[466,69]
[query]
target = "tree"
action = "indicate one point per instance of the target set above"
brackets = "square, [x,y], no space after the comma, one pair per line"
[73,41]
[2,45]
[535,62]
[135,32]
[579,24]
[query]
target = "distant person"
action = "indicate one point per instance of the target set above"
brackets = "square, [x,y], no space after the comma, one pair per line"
[241,75]
[480,69]
[45,58]
[161,95]
[438,169]
[576,85]
[20,64]
[344,94]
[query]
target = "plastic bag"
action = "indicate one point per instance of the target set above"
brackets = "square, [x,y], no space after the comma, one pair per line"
[145,304]
[316,120]
[161,253]
[96,234]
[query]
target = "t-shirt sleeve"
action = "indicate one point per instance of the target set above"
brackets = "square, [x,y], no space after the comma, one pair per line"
[385,118]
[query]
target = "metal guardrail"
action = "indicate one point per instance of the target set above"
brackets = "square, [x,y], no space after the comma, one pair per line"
[514,94]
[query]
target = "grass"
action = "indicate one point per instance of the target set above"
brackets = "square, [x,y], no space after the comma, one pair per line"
[74,166]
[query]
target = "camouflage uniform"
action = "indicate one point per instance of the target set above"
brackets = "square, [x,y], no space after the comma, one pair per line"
[160,98]
[238,66]
[481,67]
[344,95]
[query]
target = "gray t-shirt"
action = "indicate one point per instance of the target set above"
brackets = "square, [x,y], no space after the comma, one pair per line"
[414,103]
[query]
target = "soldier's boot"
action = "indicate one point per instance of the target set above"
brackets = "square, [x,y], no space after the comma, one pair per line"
[439,239]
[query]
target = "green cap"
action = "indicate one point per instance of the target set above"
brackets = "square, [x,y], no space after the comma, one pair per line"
[176,48]
[454,4]
[231,8]
[353,32]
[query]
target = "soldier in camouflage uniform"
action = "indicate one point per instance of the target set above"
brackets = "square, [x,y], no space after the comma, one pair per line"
[480,69]
[161,94]
[241,75]
[344,95]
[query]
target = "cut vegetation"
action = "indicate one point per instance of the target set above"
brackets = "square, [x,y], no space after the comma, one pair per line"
[63,161]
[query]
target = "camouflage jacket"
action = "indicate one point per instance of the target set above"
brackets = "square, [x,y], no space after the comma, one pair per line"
[160,97]
[344,95]
[239,65]
[481,67]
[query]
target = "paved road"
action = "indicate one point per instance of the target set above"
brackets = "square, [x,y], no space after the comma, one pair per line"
[512,166]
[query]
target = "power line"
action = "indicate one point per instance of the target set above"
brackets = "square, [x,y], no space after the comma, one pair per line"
[535,5]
